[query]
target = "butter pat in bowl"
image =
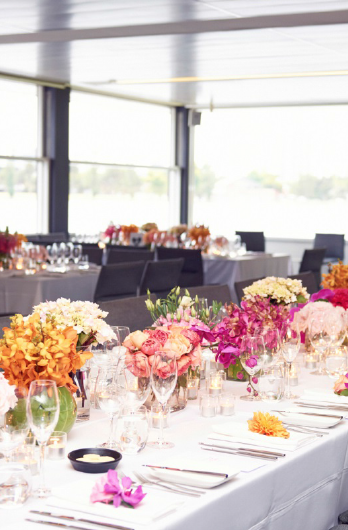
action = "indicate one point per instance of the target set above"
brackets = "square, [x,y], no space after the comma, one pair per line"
[94,459]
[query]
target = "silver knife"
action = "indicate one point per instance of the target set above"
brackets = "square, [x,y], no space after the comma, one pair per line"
[249,449]
[70,518]
[224,475]
[310,414]
[238,453]
[245,452]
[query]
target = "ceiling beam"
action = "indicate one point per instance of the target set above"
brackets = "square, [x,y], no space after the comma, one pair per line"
[182,27]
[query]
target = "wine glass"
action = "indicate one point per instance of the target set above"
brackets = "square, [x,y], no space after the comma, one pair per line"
[136,370]
[164,374]
[110,394]
[14,424]
[271,339]
[252,351]
[77,253]
[43,413]
[321,340]
[291,344]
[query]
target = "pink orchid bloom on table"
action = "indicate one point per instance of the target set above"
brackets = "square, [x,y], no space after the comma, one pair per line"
[109,489]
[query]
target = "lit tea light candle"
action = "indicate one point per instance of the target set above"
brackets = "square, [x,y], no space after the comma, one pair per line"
[156,414]
[311,361]
[56,445]
[192,388]
[215,385]
[293,376]
[227,404]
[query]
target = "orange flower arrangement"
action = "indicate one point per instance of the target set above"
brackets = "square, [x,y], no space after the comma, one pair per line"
[31,350]
[199,231]
[129,229]
[337,277]
[267,425]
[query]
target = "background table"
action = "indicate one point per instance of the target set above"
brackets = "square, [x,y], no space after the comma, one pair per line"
[231,270]
[18,294]
[305,490]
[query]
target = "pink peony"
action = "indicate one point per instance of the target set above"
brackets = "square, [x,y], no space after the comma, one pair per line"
[8,398]
[160,335]
[150,346]
[138,364]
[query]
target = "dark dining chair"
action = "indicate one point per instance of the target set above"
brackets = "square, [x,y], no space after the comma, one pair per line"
[221,293]
[119,256]
[308,280]
[334,244]
[254,241]
[130,312]
[94,253]
[161,276]
[312,260]
[192,270]
[120,280]
[240,286]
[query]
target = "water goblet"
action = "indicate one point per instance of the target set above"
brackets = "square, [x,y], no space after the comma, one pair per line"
[271,339]
[320,339]
[14,424]
[290,347]
[252,350]
[136,371]
[271,383]
[164,374]
[77,253]
[43,413]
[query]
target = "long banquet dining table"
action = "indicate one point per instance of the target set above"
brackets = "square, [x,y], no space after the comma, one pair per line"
[305,490]
[20,292]
[218,270]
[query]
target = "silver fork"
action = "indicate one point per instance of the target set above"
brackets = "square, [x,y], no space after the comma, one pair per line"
[303,430]
[181,490]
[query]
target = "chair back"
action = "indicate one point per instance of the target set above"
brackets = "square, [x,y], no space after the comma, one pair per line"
[94,253]
[254,241]
[220,293]
[240,286]
[334,244]
[130,312]
[192,270]
[120,280]
[312,260]
[308,280]
[120,256]
[5,322]
[161,276]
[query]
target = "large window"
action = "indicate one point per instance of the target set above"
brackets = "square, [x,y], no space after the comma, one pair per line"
[22,168]
[281,170]
[120,163]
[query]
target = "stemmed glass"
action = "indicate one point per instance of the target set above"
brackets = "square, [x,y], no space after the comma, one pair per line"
[77,253]
[252,351]
[321,340]
[110,394]
[271,339]
[164,374]
[136,371]
[291,344]
[14,424]
[43,413]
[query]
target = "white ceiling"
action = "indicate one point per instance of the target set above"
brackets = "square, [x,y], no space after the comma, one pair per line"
[47,41]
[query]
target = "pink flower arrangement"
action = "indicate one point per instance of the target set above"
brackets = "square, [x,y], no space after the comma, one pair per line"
[8,398]
[8,242]
[341,385]
[112,231]
[254,314]
[178,339]
[315,310]
[109,490]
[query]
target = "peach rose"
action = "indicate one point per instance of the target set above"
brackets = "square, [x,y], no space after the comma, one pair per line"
[135,340]
[195,356]
[138,364]
[178,344]
[183,364]
[340,384]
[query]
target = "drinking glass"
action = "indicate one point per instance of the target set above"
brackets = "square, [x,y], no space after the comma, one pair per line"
[77,253]
[164,374]
[132,430]
[271,383]
[291,344]
[136,370]
[122,332]
[61,254]
[14,424]
[52,253]
[271,339]
[43,414]
[15,485]
[252,351]
[110,395]
[320,339]
[336,362]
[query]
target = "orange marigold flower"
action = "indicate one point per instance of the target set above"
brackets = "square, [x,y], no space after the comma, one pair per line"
[31,350]
[267,425]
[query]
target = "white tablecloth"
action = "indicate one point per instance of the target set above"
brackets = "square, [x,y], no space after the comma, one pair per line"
[18,294]
[305,490]
[229,271]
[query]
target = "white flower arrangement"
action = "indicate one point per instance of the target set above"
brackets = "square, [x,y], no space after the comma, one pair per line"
[279,290]
[85,317]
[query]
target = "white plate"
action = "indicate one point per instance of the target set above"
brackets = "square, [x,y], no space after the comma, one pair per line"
[310,420]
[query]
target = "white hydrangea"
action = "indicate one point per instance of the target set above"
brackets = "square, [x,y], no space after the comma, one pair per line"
[282,290]
[84,317]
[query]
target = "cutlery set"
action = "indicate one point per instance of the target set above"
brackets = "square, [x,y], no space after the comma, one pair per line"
[172,487]
[242,451]
[74,519]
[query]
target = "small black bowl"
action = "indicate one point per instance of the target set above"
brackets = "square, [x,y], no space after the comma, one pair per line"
[88,467]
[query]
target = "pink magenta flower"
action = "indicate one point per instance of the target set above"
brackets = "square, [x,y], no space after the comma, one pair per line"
[120,491]
[240,375]
[252,361]
[98,494]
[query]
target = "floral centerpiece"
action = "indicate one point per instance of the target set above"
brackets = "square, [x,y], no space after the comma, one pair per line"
[199,235]
[341,385]
[255,313]
[8,243]
[278,290]
[337,277]
[8,398]
[112,232]
[149,226]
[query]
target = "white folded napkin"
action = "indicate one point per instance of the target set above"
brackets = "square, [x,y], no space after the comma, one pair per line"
[311,418]
[200,480]
[239,433]
[326,396]
[75,496]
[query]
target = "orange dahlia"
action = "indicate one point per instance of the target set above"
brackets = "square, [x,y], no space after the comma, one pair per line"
[267,425]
